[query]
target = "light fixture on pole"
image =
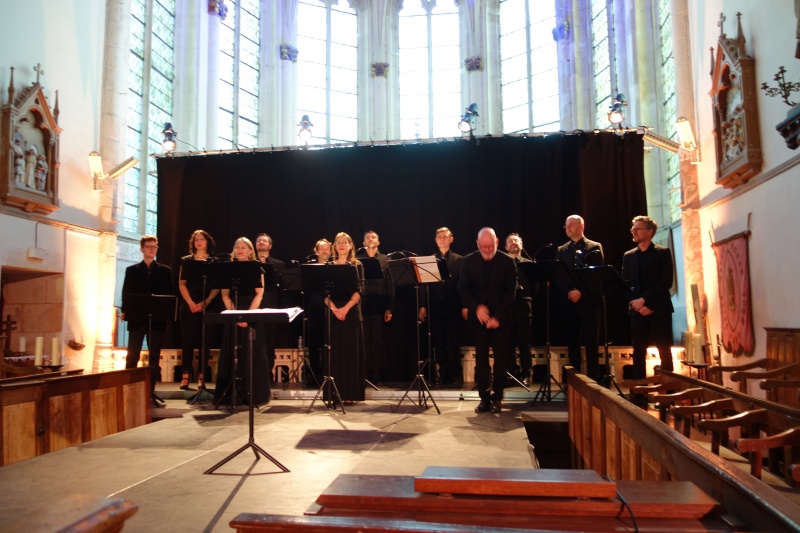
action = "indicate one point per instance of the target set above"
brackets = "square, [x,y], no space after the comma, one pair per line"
[96,169]
[616,116]
[169,143]
[686,140]
[467,122]
[304,133]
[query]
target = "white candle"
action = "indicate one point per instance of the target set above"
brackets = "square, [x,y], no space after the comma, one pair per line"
[54,358]
[698,347]
[22,345]
[37,354]
[688,347]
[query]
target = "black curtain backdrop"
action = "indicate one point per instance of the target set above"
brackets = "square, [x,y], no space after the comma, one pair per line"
[404,192]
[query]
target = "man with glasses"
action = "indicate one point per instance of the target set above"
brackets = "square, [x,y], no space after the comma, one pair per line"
[648,271]
[146,277]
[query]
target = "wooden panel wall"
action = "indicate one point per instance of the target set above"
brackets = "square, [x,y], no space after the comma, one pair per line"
[783,345]
[40,416]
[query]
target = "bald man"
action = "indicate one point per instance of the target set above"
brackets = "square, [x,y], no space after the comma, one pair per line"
[579,308]
[486,285]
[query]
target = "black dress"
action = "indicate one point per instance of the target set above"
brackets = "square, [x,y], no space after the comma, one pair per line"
[235,335]
[192,323]
[347,365]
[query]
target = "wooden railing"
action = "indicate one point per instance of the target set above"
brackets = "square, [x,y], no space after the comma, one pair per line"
[617,439]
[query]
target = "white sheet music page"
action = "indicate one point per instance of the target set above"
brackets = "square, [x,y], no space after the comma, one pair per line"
[426,268]
[291,312]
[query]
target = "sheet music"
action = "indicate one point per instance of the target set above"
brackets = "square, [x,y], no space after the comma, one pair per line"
[291,312]
[426,268]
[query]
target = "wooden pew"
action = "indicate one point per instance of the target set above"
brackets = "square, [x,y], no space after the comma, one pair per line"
[772,386]
[742,376]
[788,440]
[715,373]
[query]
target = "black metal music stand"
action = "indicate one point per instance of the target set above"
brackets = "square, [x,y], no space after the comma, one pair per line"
[251,317]
[192,271]
[373,278]
[236,276]
[151,308]
[405,272]
[329,279]
[600,280]
[292,282]
[547,272]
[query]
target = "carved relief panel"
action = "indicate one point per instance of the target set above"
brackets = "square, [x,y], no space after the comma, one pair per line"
[733,93]
[29,137]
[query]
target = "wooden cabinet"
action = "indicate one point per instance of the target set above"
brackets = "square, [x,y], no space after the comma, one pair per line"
[38,416]
[783,346]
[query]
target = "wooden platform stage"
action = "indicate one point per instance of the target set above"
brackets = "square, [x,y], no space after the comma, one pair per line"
[159,467]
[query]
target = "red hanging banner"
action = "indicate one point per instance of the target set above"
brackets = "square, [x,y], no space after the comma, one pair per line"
[733,277]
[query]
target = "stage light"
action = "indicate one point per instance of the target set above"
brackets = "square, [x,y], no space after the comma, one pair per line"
[96,169]
[169,143]
[689,148]
[467,123]
[616,115]
[304,134]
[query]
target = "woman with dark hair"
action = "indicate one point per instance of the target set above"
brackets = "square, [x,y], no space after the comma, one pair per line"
[195,298]
[235,349]
[346,357]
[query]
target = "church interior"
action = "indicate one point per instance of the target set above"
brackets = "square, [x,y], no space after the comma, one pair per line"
[302,119]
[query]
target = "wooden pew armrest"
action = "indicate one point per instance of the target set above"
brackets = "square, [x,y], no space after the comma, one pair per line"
[721,404]
[774,384]
[781,371]
[759,363]
[756,416]
[672,398]
[790,437]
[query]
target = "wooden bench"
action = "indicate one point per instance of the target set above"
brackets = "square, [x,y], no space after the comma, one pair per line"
[716,373]
[788,440]
[742,376]
[78,513]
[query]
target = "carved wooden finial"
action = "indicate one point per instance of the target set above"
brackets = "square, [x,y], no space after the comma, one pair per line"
[55,109]
[11,88]
[39,72]
[740,34]
[721,23]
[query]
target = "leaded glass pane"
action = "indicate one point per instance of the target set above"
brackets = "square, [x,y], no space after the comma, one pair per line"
[312,50]
[343,26]
[515,119]
[312,98]
[512,16]
[343,128]
[514,68]
[343,56]
[311,74]
[516,94]
[514,43]
[343,80]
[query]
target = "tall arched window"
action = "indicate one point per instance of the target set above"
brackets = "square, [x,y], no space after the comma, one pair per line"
[429,70]
[239,42]
[151,79]
[602,12]
[327,67]
[671,161]
[529,66]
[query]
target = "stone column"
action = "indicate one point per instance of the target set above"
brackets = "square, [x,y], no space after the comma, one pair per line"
[113,116]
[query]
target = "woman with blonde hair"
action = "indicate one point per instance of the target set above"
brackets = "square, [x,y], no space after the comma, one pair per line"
[346,357]
[235,341]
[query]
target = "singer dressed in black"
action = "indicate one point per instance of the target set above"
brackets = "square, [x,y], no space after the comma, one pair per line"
[193,301]
[647,270]
[347,365]
[237,336]
[314,315]
[487,284]
[579,307]
[523,311]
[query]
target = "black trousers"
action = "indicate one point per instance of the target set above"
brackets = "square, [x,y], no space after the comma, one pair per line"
[580,322]
[654,330]
[491,382]
[155,340]
[521,335]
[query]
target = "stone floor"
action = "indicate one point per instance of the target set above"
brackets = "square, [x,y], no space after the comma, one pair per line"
[160,467]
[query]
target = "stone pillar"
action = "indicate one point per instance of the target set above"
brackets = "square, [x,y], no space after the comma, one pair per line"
[113,116]
[690,217]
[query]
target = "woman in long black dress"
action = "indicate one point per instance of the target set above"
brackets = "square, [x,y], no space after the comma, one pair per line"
[195,300]
[235,341]
[347,357]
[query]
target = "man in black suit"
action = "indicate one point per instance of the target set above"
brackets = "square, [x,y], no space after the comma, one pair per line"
[486,284]
[648,271]
[146,277]
[523,311]
[579,307]
[445,312]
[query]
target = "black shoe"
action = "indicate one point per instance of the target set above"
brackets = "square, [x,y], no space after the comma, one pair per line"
[484,407]
[496,406]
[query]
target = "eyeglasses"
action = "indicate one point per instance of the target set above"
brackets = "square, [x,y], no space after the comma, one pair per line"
[341,243]
[151,246]
[637,229]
